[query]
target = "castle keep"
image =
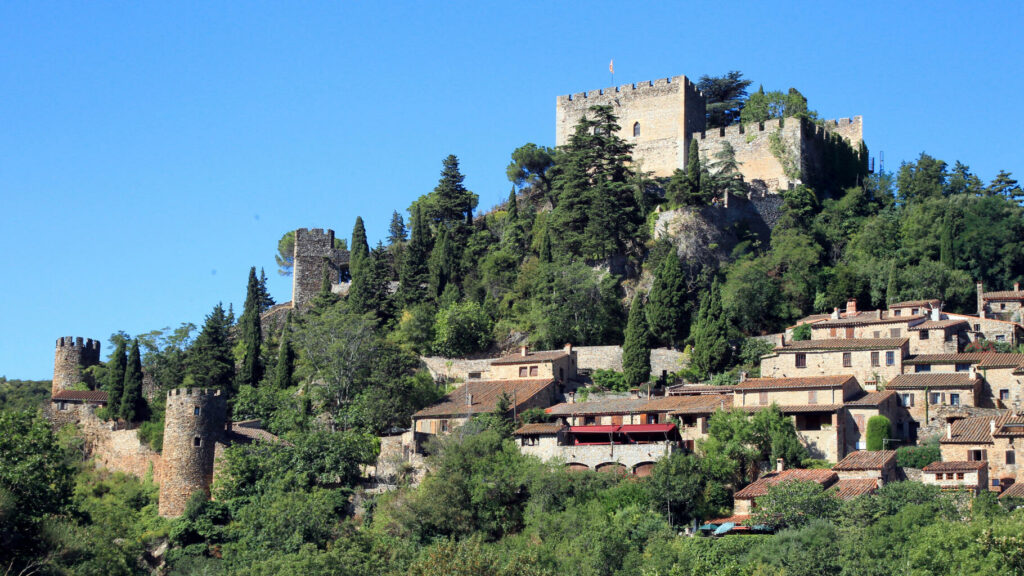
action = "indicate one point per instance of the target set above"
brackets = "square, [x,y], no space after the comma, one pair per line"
[193,424]
[314,250]
[662,117]
[72,357]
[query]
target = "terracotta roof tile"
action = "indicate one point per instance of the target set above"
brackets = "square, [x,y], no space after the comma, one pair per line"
[687,389]
[954,466]
[809,382]
[872,398]
[1011,427]
[979,319]
[996,360]
[538,356]
[1003,295]
[1014,491]
[81,395]
[540,428]
[962,358]
[938,324]
[850,488]
[249,431]
[842,344]
[735,519]
[977,430]
[945,380]
[797,408]
[866,460]
[704,405]
[674,404]
[760,486]
[867,321]
[915,303]
[484,395]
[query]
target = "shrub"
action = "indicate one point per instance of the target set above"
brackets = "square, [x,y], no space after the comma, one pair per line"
[610,380]
[802,332]
[918,456]
[151,432]
[879,429]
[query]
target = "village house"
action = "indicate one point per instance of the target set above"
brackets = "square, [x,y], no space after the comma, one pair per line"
[922,394]
[559,365]
[480,397]
[995,440]
[744,501]
[947,336]
[624,449]
[915,307]
[1014,491]
[989,329]
[872,361]
[73,406]
[1005,305]
[874,324]
[957,475]
[877,466]
[860,410]
[1002,374]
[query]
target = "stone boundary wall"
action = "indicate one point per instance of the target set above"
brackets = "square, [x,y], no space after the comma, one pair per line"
[120,450]
[587,358]
[629,455]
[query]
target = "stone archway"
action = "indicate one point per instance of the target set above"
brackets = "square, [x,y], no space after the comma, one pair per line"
[643,469]
[576,466]
[612,467]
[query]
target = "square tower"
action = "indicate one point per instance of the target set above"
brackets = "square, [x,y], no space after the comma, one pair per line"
[658,117]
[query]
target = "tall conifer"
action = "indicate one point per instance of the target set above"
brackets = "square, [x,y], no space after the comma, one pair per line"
[210,363]
[115,377]
[443,263]
[133,404]
[285,362]
[414,271]
[666,305]
[636,350]
[251,333]
[710,333]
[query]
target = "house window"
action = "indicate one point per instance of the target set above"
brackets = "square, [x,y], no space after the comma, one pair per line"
[877,334]
[636,129]
[963,367]
[934,398]
[475,375]
[812,396]
[533,370]
[849,332]
[1004,394]
[522,371]
[949,476]
[801,360]
[938,477]
[896,312]
[923,335]
[847,359]
[923,368]
[1011,458]
[906,400]
[890,358]
[874,358]
[959,475]
[652,418]
[197,442]
[589,420]
[977,327]
[976,456]
[195,411]
[762,398]
[894,333]
[954,399]
[444,426]
[1002,306]
[913,311]
[1000,338]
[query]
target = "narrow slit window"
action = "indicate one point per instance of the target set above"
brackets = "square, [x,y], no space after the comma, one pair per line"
[636,129]
[197,442]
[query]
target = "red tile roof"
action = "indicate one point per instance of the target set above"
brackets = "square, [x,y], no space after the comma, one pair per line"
[938,324]
[796,408]
[962,358]
[943,380]
[1011,427]
[842,344]
[760,487]
[673,404]
[735,519]
[996,360]
[977,430]
[248,431]
[916,304]
[704,405]
[867,460]
[686,389]
[872,398]
[82,396]
[954,466]
[981,320]
[800,383]
[1003,295]
[539,356]
[867,321]
[484,395]
[1014,491]
[540,428]
[850,488]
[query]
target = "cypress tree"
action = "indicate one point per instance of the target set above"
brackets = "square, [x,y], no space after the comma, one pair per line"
[285,363]
[252,333]
[210,363]
[513,237]
[693,175]
[946,250]
[710,334]
[414,273]
[133,405]
[636,350]
[545,247]
[265,299]
[116,367]
[360,248]
[666,305]
[443,263]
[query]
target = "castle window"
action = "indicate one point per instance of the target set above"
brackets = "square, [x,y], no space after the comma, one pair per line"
[195,411]
[197,442]
[636,129]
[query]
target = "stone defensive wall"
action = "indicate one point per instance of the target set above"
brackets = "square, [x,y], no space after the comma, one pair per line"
[657,117]
[587,358]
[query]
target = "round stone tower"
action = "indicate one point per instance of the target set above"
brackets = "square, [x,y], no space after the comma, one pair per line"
[73,356]
[193,423]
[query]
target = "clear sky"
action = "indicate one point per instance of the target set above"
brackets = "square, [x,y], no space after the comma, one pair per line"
[150,153]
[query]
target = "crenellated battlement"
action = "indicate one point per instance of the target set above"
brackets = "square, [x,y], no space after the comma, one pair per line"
[78,342]
[72,355]
[194,392]
[638,88]
[742,129]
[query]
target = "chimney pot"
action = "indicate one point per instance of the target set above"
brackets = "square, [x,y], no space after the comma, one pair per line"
[780,464]
[1016,286]
[835,313]
[991,426]
[743,376]
[568,348]
[469,399]
[523,350]
[851,306]
[949,430]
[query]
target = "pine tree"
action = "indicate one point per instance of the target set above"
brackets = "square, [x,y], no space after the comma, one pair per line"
[210,363]
[666,305]
[451,202]
[133,404]
[265,299]
[116,367]
[251,333]
[1004,185]
[414,271]
[396,231]
[636,350]
[711,351]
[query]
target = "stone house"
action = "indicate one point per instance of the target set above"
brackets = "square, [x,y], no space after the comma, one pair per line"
[871,360]
[1004,380]
[860,410]
[559,365]
[873,324]
[879,466]
[915,307]
[922,394]
[74,406]
[1005,305]
[991,329]
[1014,491]
[938,336]
[744,501]
[480,397]
[625,449]
[957,475]
[997,441]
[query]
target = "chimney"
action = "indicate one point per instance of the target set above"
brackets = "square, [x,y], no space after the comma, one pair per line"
[469,399]
[572,398]
[780,464]
[568,348]
[835,313]
[949,430]
[936,314]
[991,426]
[743,377]
[1016,286]
[981,301]
[782,340]
[972,373]
[523,350]
[851,306]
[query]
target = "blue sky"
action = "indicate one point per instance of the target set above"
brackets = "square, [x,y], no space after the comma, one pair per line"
[151,153]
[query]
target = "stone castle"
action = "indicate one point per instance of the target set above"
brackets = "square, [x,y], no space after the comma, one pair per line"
[661,117]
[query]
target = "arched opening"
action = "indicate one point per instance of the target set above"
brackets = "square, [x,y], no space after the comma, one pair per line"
[612,468]
[576,466]
[643,469]
[636,129]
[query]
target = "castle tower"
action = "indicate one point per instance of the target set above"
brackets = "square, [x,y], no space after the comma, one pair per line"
[73,356]
[314,248]
[193,423]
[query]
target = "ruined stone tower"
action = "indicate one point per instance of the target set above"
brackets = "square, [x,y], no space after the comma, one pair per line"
[73,356]
[314,249]
[193,424]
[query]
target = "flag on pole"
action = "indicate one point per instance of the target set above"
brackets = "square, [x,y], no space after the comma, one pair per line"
[611,66]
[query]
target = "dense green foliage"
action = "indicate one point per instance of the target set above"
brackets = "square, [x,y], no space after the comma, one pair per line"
[919,456]
[879,429]
[636,349]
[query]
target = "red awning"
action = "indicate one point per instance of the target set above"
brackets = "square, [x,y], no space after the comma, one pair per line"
[594,429]
[632,428]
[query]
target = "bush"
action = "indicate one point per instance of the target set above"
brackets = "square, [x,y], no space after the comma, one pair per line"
[802,332]
[918,456]
[609,380]
[879,428]
[151,432]
[461,329]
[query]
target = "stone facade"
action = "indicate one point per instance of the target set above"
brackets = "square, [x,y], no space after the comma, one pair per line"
[193,424]
[72,357]
[870,365]
[657,117]
[990,329]
[314,249]
[630,458]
